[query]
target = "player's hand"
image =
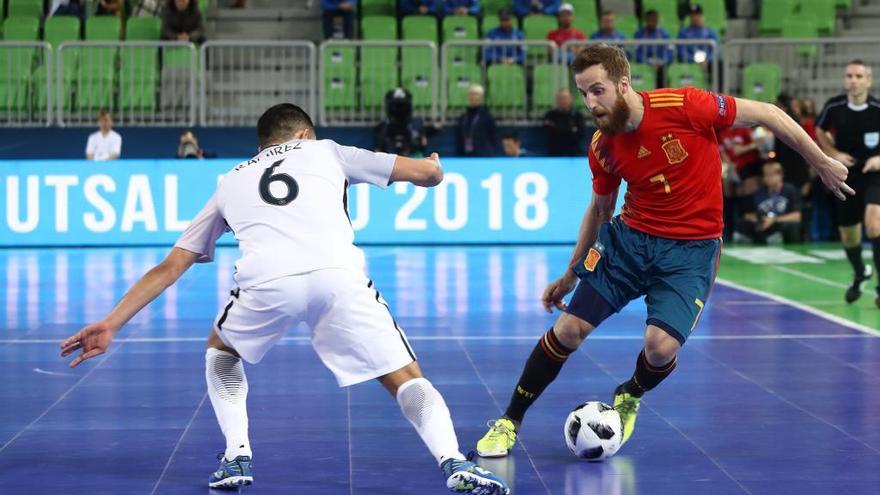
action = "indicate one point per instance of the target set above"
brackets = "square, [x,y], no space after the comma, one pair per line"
[556,290]
[833,174]
[93,340]
[872,165]
[845,158]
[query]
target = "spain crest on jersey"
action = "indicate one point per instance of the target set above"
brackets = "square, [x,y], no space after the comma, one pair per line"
[675,152]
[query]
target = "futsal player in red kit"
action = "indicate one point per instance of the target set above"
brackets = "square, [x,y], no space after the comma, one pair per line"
[665,243]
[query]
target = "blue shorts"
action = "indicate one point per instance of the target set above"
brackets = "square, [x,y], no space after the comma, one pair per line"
[675,276]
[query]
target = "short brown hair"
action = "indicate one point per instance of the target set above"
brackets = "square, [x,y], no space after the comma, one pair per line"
[858,61]
[611,58]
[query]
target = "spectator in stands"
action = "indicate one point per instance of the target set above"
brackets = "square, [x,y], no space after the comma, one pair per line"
[512,54]
[744,154]
[182,21]
[546,7]
[419,7]
[658,56]
[697,30]
[607,31]
[109,7]
[565,31]
[477,133]
[776,211]
[462,7]
[335,9]
[68,7]
[189,146]
[512,146]
[105,143]
[565,127]
[400,133]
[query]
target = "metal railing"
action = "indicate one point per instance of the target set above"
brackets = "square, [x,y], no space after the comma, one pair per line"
[25,85]
[239,80]
[356,75]
[805,67]
[520,77]
[141,82]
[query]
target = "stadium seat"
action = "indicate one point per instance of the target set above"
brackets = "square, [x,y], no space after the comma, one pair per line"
[762,82]
[643,77]
[680,75]
[536,28]
[459,79]
[416,78]
[715,14]
[587,25]
[379,27]
[377,78]
[138,78]
[843,4]
[57,30]
[340,78]
[102,28]
[489,23]
[585,14]
[772,15]
[491,7]
[801,27]
[627,24]
[25,8]
[16,63]
[143,29]
[96,71]
[822,12]
[507,88]
[377,8]
[461,28]
[544,86]
[21,29]
[420,28]
[668,11]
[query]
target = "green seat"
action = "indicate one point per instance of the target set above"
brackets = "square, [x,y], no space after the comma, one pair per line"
[179,57]
[379,27]
[416,78]
[416,56]
[420,28]
[507,88]
[822,12]
[762,81]
[585,14]
[102,28]
[138,78]
[459,27]
[843,4]
[627,24]
[377,7]
[376,80]
[801,27]
[96,69]
[13,95]
[715,14]
[21,29]
[340,78]
[143,29]
[544,87]
[16,65]
[489,23]
[536,28]
[491,7]
[680,75]
[587,25]
[340,60]
[773,14]
[643,77]
[25,8]
[459,81]
[57,30]
[668,12]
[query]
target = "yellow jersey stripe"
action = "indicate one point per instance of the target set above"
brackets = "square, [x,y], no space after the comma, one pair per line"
[670,95]
[663,105]
[665,98]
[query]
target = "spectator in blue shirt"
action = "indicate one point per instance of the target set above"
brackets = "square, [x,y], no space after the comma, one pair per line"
[697,30]
[511,54]
[546,7]
[462,7]
[607,31]
[419,7]
[339,8]
[658,56]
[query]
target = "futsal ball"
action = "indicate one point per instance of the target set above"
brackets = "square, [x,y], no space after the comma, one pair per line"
[593,431]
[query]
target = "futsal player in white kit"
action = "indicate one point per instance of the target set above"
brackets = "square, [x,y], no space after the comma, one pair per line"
[287,209]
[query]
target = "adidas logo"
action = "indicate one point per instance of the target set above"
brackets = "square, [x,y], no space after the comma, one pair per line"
[643,152]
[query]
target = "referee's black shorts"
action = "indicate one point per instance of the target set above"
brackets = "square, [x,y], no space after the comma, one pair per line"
[867,188]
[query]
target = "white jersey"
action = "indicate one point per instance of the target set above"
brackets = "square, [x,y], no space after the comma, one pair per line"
[287,207]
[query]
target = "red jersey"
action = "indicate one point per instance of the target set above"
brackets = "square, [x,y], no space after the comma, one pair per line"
[560,36]
[670,163]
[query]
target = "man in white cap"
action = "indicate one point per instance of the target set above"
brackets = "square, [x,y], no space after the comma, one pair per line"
[566,31]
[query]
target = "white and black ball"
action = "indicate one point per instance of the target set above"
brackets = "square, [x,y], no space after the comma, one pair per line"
[593,431]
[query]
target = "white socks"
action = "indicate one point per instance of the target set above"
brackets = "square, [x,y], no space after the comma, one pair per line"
[425,408]
[228,388]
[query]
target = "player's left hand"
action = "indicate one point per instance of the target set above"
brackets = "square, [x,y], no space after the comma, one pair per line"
[833,175]
[872,165]
[93,340]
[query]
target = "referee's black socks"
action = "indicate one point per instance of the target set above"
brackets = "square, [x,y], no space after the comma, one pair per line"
[854,254]
[541,368]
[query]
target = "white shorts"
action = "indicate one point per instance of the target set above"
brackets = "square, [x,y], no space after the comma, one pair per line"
[353,331]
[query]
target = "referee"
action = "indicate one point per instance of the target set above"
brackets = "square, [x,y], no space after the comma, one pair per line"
[848,129]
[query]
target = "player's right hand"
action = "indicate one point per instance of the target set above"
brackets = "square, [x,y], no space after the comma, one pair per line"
[92,339]
[557,290]
[833,174]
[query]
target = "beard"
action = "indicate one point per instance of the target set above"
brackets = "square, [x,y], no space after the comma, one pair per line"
[618,118]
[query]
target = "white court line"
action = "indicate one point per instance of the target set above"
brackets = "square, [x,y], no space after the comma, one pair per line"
[179,441]
[803,307]
[810,277]
[350,450]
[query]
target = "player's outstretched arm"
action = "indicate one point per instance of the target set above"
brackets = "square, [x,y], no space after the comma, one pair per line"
[425,172]
[599,211]
[94,339]
[831,171]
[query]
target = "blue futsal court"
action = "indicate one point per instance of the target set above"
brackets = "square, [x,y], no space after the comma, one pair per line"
[767,398]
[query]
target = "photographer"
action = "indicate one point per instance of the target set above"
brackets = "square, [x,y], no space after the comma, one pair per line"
[189,146]
[400,133]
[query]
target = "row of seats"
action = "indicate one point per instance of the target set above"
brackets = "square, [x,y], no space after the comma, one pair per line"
[34,8]
[66,28]
[814,17]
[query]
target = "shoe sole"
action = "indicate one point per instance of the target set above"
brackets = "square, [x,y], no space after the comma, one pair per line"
[482,485]
[493,453]
[232,482]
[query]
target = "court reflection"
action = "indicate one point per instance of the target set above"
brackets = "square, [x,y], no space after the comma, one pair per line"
[615,476]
